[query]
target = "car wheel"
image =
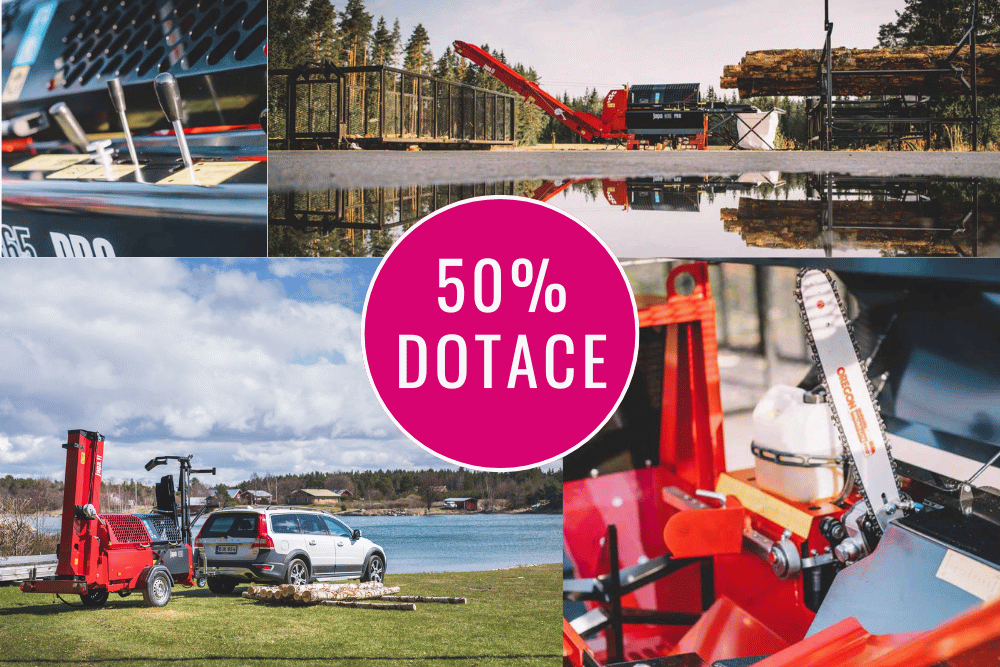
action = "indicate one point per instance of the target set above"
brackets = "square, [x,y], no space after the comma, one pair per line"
[221,585]
[298,573]
[94,598]
[375,571]
[157,591]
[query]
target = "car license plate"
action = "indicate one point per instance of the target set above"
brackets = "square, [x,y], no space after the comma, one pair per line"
[225,549]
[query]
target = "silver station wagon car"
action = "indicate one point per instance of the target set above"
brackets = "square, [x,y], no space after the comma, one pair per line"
[281,544]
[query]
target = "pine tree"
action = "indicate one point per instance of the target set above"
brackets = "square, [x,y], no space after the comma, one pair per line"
[446,66]
[418,54]
[321,28]
[937,22]
[355,28]
[382,49]
[396,39]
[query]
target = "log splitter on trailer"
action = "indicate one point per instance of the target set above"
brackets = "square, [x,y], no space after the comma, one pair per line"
[101,554]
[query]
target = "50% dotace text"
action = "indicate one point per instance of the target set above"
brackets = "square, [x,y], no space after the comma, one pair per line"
[564,354]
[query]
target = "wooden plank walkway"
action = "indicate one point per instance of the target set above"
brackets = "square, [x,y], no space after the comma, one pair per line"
[22,568]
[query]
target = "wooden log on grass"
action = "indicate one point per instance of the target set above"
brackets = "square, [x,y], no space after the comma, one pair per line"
[287,593]
[424,598]
[347,594]
[397,606]
[797,71]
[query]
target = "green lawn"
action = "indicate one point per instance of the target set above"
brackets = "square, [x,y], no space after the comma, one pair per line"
[512,618]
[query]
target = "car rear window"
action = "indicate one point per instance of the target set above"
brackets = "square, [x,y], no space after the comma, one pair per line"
[232,524]
[284,523]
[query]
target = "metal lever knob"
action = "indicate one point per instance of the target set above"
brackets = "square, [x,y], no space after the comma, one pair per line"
[70,126]
[117,94]
[169,95]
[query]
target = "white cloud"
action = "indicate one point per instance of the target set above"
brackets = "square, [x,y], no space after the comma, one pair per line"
[162,357]
[287,267]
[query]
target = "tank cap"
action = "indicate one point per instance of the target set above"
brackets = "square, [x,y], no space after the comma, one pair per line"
[814,397]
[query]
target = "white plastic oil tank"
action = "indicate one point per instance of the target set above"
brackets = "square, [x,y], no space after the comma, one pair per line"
[795,444]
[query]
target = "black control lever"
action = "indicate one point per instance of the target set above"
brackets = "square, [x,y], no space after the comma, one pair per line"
[169,95]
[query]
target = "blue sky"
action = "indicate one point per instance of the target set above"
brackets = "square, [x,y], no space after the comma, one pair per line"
[252,366]
[607,43]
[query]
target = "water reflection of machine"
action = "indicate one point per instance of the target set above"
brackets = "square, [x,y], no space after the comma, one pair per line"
[682,562]
[899,216]
[655,193]
[134,128]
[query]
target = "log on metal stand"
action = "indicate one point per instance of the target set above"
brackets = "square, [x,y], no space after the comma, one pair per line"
[400,606]
[797,71]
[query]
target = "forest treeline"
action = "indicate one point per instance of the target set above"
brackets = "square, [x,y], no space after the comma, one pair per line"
[315,30]
[519,489]
[304,31]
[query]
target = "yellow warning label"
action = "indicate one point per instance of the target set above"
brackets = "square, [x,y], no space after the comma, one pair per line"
[15,83]
[206,173]
[49,162]
[93,171]
[76,561]
[766,505]
[83,458]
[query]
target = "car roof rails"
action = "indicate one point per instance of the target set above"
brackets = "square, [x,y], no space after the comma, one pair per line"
[296,508]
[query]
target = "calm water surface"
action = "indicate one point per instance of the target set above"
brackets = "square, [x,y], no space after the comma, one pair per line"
[452,542]
[767,214]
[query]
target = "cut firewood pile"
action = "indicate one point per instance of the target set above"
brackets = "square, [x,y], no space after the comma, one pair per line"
[343,595]
[797,71]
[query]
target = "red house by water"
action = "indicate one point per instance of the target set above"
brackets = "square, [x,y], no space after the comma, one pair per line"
[467,504]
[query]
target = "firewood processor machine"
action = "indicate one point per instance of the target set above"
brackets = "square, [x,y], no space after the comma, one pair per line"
[100,554]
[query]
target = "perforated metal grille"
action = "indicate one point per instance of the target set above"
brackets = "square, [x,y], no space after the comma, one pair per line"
[126,529]
[161,528]
[138,39]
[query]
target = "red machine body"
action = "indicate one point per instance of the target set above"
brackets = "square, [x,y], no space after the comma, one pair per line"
[611,125]
[708,587]
[99,553]
[613,114]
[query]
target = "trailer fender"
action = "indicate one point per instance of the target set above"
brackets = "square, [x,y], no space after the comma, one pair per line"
[147,574]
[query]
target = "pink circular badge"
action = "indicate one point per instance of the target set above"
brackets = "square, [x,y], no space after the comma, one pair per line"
[500,333]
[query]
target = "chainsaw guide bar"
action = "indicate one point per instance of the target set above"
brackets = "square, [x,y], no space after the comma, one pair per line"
[851,399]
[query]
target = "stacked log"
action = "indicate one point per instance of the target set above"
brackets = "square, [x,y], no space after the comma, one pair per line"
[797,71]
[797,224]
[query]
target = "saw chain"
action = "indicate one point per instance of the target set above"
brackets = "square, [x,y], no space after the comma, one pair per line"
[852,402]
